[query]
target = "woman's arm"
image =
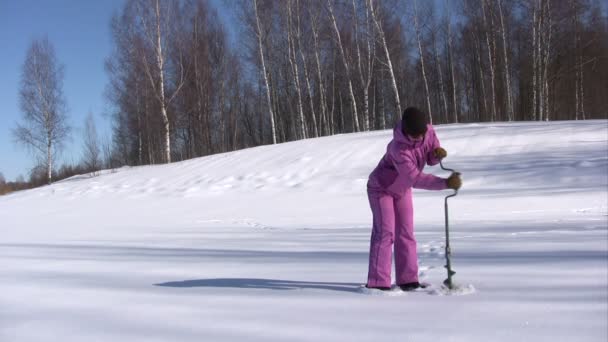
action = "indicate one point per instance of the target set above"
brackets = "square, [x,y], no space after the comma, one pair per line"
[410,176]
[431,157]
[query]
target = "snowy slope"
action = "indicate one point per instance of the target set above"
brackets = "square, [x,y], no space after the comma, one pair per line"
[270,244]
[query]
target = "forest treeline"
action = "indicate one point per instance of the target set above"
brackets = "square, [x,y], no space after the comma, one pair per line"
[183,85]
[307,68]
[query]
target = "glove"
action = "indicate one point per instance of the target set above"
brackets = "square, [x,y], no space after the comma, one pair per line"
[440,153]
[454,181]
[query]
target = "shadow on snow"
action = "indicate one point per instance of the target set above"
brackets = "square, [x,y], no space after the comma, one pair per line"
[268,284]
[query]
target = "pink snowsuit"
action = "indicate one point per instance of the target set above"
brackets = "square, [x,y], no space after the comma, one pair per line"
[389,190]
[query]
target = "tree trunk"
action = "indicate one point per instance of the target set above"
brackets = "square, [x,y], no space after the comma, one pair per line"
[315,127]
[333,96]
[578,57]
[383,105]
[484,103]
[361,76]
[534,58]
[440,75]
[581,78]
[346,67]
[261,47]
[139,126]
[140,150]
[548,32]
[426,83]
[371,57]
[323,102]
[374,114]
[365,76]
[506,61]
[490,59]
[576,54]
[540,40]
[163,103]
[155,36]
[49,160]
[388,59]
[291,49]
[450,56]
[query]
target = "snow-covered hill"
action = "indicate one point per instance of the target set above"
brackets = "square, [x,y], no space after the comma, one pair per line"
[270,244]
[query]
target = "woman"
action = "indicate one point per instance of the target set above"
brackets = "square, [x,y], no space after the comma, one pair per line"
[389,190]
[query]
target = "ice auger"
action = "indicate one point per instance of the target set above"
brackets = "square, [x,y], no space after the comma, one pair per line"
[448,282]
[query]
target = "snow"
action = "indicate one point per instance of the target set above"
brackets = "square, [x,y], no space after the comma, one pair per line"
[271,244]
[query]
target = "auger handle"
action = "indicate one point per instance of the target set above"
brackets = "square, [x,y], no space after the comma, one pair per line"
[451,170]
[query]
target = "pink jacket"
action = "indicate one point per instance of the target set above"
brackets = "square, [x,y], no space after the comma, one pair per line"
[401,166]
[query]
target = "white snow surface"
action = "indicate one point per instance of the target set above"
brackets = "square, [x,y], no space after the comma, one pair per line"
[271,244]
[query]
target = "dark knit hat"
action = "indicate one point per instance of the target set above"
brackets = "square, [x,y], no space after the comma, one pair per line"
[413,121]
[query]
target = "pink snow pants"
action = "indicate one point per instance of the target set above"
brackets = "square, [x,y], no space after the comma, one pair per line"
[393,224]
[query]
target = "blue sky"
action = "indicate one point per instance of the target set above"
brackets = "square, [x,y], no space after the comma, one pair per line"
[80,33]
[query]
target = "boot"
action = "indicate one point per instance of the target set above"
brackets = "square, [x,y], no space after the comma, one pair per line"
[378,288]
[412,286]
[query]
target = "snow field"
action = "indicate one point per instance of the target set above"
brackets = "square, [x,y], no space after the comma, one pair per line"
[270,244]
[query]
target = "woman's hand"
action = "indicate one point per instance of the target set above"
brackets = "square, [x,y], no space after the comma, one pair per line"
[454,181]
[440,153]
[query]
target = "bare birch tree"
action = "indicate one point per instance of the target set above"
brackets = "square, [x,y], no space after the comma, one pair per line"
[441,89]
[44,126]
[507,75]
[314,13]
[91,157]
[534,58]
[301,48]
[346,65]
[156,26]
[451,60]
[489,43]
[421,53]
[579,94]
[387,55]
[261,36]
[479,61]
[547,33]
[365,64]
[293,62]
